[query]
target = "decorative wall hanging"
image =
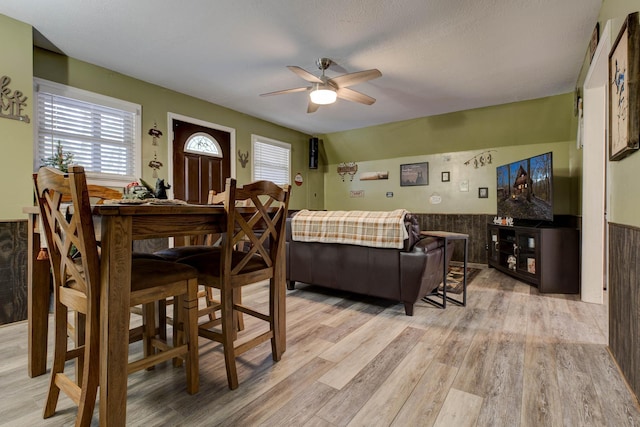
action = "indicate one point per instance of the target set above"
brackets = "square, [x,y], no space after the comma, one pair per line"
[298,179]
[349,168]
[624,90]
[481,159]
[414,174]
[372,176]
[483,192]
[243,158]
[356,194]
[155,164]
[445,177]
[12,105]
[155,134]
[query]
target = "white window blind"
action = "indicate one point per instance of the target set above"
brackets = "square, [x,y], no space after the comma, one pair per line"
[271,160]
[102,133]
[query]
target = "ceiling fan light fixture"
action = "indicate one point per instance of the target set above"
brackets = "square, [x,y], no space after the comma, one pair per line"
[323,95]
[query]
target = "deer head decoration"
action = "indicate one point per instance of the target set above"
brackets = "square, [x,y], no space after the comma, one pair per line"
[244,158]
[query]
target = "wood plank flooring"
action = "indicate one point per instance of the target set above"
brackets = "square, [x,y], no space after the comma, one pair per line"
[512,357]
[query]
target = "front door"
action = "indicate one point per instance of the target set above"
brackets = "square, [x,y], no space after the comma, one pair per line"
[201,161]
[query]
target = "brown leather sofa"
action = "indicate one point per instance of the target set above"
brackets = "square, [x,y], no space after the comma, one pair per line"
[404,275]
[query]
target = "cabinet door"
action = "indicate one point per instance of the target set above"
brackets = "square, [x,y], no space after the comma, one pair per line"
[527,253]
[494,245]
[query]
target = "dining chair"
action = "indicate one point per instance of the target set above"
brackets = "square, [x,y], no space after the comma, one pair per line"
[263,226]
[75,263]
[200,244]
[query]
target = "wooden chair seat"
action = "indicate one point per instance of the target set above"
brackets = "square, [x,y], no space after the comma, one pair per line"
[75,263]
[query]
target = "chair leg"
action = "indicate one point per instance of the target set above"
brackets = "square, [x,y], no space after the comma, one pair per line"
[228,334]
[83,394]
[237,296]
[59,356]
[179,325]
[149,330]
[190,326]
[274,321]
[79,333]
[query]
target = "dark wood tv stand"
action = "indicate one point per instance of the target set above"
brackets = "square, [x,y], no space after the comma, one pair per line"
[546,257]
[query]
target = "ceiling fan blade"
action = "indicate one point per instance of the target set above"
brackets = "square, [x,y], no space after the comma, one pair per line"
[355,96]
[280,92]
[304,74]
[355,78]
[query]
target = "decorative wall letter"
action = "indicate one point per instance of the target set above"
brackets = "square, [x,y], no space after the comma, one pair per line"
[12,105]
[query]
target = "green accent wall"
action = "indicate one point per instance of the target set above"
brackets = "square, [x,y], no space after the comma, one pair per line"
[622,176]
[157,101]
[528,122]
[16,137]
[460,194]
[511,131]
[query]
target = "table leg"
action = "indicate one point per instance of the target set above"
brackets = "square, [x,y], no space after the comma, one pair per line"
[464,283]
[38,284]
[445,272]
[114,318]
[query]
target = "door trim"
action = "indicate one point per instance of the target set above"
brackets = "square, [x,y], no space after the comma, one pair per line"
[232,141]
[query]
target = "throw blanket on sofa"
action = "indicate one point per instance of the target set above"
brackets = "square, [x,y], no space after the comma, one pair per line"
[364,228]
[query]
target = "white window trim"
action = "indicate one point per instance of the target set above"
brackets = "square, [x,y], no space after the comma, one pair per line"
[87,96]
[264,140]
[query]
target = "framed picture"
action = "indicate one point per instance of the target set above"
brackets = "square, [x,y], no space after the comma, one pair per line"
[414,174]
[624,90]
[483,192]
[446,177]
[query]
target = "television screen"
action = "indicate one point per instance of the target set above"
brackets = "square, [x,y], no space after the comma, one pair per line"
[525,188]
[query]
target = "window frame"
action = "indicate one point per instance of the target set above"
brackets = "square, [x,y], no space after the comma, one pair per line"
[216,144]
[257,139]
[46,86]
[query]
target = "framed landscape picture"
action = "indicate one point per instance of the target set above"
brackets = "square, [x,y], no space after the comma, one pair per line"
[414,174]
[624,90]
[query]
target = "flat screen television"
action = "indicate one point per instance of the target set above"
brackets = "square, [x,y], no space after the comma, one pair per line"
[525,189]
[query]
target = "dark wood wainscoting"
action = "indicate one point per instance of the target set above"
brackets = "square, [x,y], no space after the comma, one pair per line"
[473,225]
[624,301]
[13,271]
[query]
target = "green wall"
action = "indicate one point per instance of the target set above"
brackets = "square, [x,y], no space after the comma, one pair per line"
[16,137]
[623,174]
[454,196]
[529,122]
[512,131]
[157,101]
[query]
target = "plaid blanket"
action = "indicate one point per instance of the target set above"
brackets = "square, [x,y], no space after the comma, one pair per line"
[364,228]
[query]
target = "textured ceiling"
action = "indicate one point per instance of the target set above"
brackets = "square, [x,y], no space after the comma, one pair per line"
[436,56]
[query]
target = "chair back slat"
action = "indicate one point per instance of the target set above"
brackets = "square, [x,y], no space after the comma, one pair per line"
[69,228]
[256,214]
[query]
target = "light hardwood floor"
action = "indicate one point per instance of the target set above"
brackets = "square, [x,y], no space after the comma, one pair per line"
[512,357]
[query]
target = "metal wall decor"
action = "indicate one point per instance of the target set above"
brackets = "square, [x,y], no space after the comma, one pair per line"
[155,134]
[155,164]
[244,158]
[349,168]
[12,105]
[481,159]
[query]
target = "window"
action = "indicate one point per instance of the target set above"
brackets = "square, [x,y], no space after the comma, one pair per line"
[203,144]
[102,133]
[271,160]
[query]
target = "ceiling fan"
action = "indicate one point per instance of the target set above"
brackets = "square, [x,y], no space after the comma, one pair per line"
[325,90]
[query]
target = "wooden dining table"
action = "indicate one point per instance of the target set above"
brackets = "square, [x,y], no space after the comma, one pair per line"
[119,226]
